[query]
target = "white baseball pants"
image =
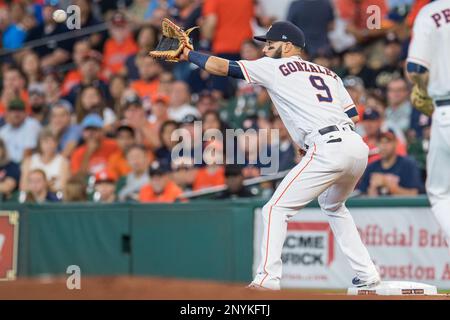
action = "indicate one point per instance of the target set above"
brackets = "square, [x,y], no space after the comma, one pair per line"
[329,171]
[438,160]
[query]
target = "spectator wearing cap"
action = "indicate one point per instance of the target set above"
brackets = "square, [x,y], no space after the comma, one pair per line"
[234,180]
[148,83]
[191,139]
[315,18]
[38,189]
[392,174]
[93,155]
[147,39]
[47,158]
[13,87]
[355,65]
[52,53]
[20,132]
[90,100]
[161,188]
[183,172]
[39,107]
[9,173]
[119,46]
[90,71]
[68,135]
[180,99]
[373,125]
[138,160]
[164,152]
[136,117]
[105,187]
[117,163]
[391,65]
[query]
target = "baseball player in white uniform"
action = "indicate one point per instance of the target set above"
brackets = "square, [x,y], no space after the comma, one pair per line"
[318,112]
[428,66]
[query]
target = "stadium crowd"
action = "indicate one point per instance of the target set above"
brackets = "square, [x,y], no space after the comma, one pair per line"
[88,116]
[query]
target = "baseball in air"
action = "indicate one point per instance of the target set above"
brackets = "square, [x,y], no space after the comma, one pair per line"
[59,15]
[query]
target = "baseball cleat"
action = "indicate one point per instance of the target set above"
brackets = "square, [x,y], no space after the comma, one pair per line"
[357,282]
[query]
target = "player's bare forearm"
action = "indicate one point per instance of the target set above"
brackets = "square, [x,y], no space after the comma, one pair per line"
[217,66]
[355,119]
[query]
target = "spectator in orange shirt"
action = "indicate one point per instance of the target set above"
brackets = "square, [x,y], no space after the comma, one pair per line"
[161,188]
[93,155]
[213,174]
[105,187]
[14,86]
[120,46]
[148,84]
[117,164]
[226,25]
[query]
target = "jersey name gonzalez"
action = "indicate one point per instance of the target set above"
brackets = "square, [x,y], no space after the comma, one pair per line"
[297,66]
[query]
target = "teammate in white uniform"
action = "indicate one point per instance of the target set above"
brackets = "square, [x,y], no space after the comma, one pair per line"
[428,65]
[317,111]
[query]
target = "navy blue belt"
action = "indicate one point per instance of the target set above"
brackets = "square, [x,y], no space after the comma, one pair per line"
[441,103]
[329,129]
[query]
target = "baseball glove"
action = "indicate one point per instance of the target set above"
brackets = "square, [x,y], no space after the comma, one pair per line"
[422,101]
[173,41]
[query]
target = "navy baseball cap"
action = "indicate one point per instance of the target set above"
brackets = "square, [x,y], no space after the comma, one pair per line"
[284,31]
[371,114]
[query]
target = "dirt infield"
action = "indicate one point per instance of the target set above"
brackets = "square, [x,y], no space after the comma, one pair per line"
[164,289]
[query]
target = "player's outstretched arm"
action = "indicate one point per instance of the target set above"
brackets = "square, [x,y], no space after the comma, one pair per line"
[214,65]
